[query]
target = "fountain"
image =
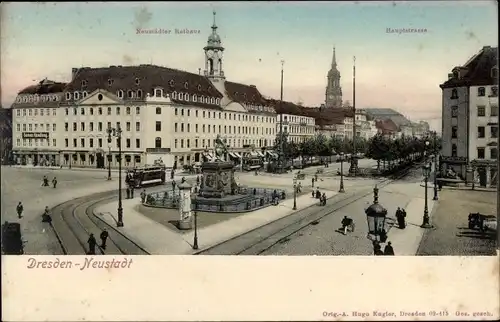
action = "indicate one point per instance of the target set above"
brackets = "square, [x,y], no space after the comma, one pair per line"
[218,190]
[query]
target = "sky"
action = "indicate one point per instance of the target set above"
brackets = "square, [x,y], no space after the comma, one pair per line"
[393,70]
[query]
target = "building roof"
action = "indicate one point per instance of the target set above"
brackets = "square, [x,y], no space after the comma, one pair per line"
[387,113]
[143,77]
[477,71]
[44,87]
[386,126]
[244,94]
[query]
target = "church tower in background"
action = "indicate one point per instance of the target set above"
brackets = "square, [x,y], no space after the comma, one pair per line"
[333,90]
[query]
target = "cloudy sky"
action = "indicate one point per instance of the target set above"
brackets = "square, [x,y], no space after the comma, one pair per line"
[400,71]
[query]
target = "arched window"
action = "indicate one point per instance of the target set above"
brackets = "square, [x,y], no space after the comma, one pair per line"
[130,94]
[181,96]
[120,94]
[210,66]
[194,98]
[85,94]
[217,101]
[158,92]
[139,93]
[137,110]
[174,95]
[454,93]
[453,150]
[212,100]
[76,95]
[157,143]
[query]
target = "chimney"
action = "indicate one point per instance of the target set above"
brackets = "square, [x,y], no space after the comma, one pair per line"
[74,71]
[199,71]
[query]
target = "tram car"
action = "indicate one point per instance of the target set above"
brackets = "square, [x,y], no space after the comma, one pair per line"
[146,175]
[252,163]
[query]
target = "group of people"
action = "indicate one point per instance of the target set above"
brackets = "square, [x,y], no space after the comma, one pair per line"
[377,249]
[92,242]
[401,218]
[45,182]
[322,197]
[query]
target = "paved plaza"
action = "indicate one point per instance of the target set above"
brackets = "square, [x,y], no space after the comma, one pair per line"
[452,235]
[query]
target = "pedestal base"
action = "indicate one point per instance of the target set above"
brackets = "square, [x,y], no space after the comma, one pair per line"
[426,226]
[185,225]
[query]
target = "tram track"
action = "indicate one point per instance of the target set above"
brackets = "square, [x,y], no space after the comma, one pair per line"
[73,221]
[261,239]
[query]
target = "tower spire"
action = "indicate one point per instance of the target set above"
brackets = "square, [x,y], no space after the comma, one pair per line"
[334,59]
[214,26]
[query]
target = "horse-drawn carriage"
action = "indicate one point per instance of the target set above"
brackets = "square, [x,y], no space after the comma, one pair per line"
[482,222]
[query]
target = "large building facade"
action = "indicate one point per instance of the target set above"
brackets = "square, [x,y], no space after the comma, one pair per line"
[470,118]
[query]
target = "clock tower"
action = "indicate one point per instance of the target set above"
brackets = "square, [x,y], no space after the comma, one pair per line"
[213,56]
[333,97]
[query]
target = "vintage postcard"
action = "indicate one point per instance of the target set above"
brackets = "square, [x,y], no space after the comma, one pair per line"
[349,149]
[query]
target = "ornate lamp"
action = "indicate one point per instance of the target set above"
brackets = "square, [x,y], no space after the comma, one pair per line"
[375,217]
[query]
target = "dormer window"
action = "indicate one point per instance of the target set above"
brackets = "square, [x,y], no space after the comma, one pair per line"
[119,94]
[110,82]
[186,85]
[84,94]
[186,97]
[181,96]
[130,94]
[481,91]
[206,100]
[454,93]
[212,101]
[171,83]
[174,95]
[84,83]
[30,98]
[139,93]
[158,92]
[68,96]
[217,101]
[194,98]
[199,87]
[137,81]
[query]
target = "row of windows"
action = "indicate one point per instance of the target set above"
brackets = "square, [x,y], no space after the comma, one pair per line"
[36,111]
[481,152]
[36,127]
[205,143]
[231,116]
[481,91]
[37,98]
[128,110]
[100,127]
[179,127]
[35,142]
[128,143]
[299,129]
[481,111]
[298,119]
[481,132]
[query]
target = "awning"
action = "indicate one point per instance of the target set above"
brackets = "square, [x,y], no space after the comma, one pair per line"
[232,155]
[237,154]
[260,153]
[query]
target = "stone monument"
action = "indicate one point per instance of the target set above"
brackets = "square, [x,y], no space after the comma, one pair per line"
[218,175]
[185,221]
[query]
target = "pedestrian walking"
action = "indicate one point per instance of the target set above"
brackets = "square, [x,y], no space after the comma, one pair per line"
[324,199]
[388,250]
[377,250]
[46,215]
[143,196]
[104,235]
[54,182]
[132,190]
[312,182]
[19,209]
[172,174]
[45,182]
[92,243]
[400,218]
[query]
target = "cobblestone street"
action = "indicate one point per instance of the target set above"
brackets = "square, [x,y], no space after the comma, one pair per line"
[450,235]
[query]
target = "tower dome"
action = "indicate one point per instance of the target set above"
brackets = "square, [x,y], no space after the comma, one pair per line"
[214,38]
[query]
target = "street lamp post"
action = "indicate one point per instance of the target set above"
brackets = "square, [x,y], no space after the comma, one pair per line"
[375,217]
[109,156]
[353,169]
[195,242]
[435,167]
[341,190]
[425,222]
[117,132]
[295,193]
